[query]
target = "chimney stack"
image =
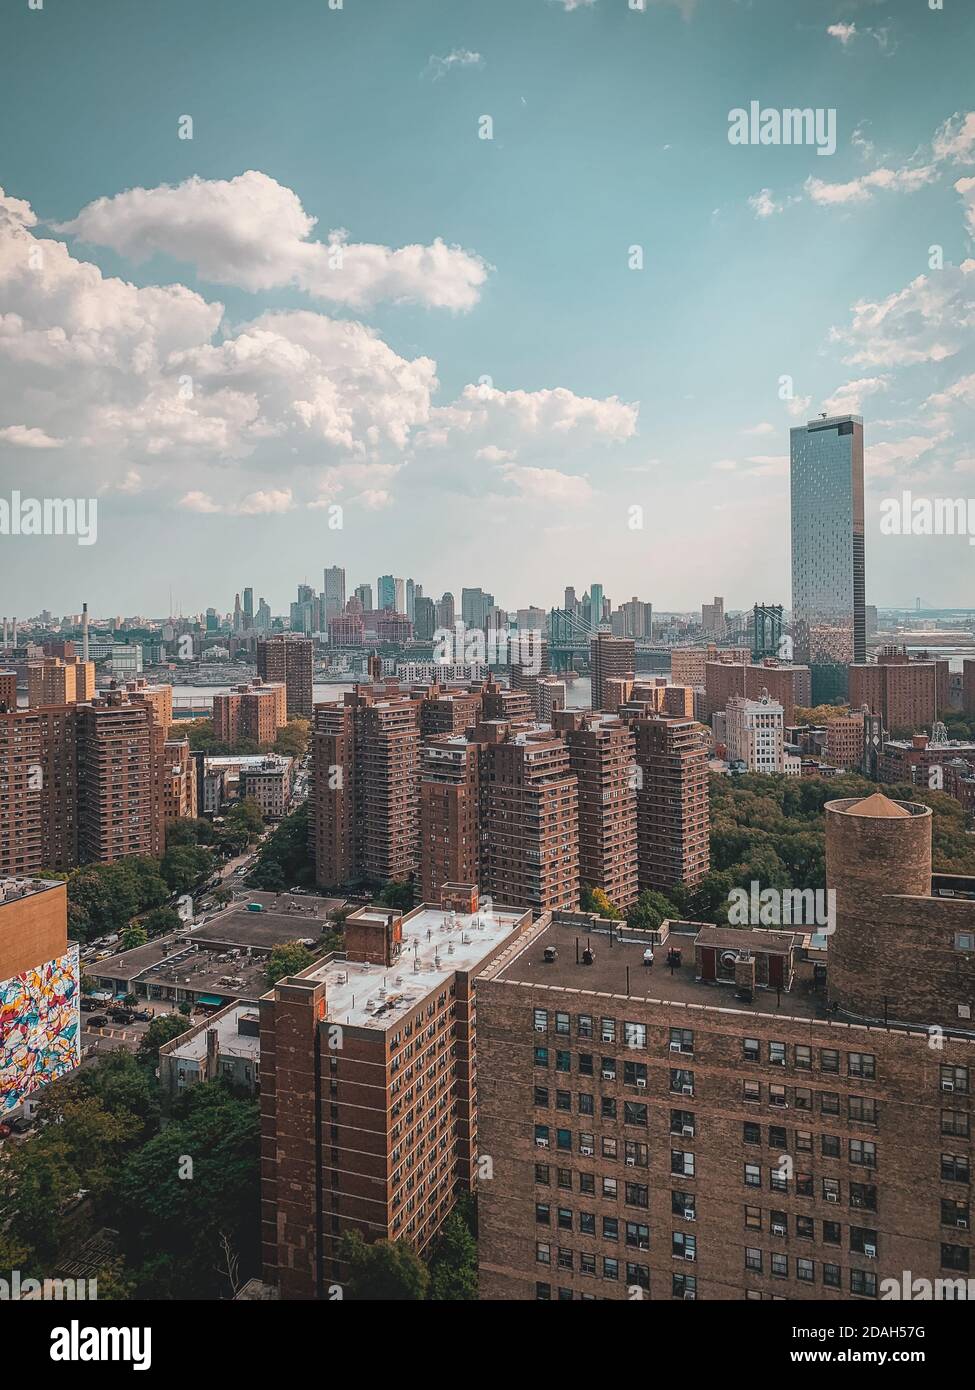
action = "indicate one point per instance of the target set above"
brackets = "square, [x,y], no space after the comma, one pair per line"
[84,632]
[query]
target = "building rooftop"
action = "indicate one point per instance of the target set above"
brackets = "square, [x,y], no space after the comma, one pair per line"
[618,970]
[877,805]
[192,1046]
[13,889]
[435,945]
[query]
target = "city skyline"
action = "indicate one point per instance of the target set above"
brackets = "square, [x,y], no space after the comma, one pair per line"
[476,367]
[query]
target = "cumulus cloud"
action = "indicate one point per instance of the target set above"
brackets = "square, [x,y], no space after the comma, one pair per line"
[927,321]
[151,388]
[26,437]
[763,204]
[848,399]
[844,32]
[966,190]
[860,190]
[252,232]
[547,484]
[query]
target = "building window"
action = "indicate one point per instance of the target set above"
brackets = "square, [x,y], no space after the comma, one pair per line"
[585,1064]
[543,1214]
[637,1235]
[541,1136]
[637,1276]
[587,1223]
[683,1246]
[831,1276]
[829,1060]
[829,1103]
[780,1266]
[753,1218]
[611,1188]
[543,1293]
[607,1107]
[542,1174]
[563,1139]
[751,1133]
[863,1153]
[682,1163]
[541,1020]
[753,1175]
[587,1264]
[565,1260]
[682,1040]
[636,1194]
[541,1095]
[563,1061]
[682,1081]
[607,1068]
[955,1122]
[955,1079]
[751,1049]
[562,1024]
[954,1168]
[541,1056]
[954,1213]
[751,1091]
[863,1196]
[611,1228]
[805,1228]
[830,1144]
[635,1035]
[611,1268]
[805,1271]
[863,1110]
[609,1146]
[635,1074]
[543,1253]
[564,1218]
[584,1026]
[777,1096]
[587,1184]
[636,1154]
[564,1176]
[776,1054]
[863,1064]
[607,1029]
[802,1098]
[635,1113]
[863,1283]
[683,1286]
[586,1104]
[863,1241]
[803,1058]
[964,941]
[753,1259]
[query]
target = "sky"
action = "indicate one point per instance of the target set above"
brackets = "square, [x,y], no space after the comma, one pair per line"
[272,297]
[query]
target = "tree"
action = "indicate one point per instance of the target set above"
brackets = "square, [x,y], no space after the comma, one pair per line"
[161,1030]
[292,740]
[133,936]
[183,866]
[383,1271]
[398,894]
[160,921]
[596,900]
[287,958]
[284,858]
[453,1266]
[649,910]
[247,817]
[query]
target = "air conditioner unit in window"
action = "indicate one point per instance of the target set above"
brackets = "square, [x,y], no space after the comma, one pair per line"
[687,1090]
[675,1047]
[687,1131]
[631,1163]
[689,1214]
[609,1076]
[962,1223]
[778,1229]
[690,1254]
[870,1251]
[641,1081]
[542,1143]
[689,1293]
[832,1196]
[540,1028]
[947,1085]
[586,1150]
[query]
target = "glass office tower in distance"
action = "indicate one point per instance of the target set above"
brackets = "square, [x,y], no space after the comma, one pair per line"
[828,603]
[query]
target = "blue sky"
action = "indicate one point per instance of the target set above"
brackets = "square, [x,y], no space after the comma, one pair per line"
[603,388]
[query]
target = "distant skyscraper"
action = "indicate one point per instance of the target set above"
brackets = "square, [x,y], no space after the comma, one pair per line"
[238,614]
[364,594]
[386,591]
[595,606]
[446,611]
[333,590]
[248,608]
[399,596]
[828,600]
[410,600]
[475,604]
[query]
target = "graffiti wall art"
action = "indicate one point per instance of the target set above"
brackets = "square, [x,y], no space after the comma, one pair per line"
[40,1027]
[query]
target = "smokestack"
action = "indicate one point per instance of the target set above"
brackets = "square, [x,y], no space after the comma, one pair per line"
[84,632]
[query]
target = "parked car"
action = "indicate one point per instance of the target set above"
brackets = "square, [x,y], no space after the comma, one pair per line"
[121,1015]
[97,1020]
[143,1015]
[87,1005]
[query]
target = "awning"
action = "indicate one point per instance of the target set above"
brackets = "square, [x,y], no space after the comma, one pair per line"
[209,999]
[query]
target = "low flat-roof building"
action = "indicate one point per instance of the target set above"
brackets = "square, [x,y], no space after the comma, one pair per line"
[227,1045]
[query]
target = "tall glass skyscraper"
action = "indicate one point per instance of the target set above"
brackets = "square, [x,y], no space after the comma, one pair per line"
[828,603]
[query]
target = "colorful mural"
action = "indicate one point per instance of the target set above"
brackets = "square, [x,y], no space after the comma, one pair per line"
[40,1027]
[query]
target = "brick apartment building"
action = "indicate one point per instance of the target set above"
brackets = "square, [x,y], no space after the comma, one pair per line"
[688,664]
[450,817]
[673,798]
[58,681]
[602,753]
[789,686]
[845,740]
[720,1126]
[529,818]
[909,695]
[254,712]
[609,656]
[119,796]
[365,787]
[8,691]
[38,790]
[968,686]
[368,1074]
[289,659]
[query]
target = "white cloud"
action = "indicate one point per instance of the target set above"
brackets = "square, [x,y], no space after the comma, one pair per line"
[763,427]
[763,204]
[889,460]
[966,189]
[768,466]
[860,190]
[927,321]
[955,140]
[843,32]
[266,501]
[439,67]
[252,232]
[547,484]
[198,502]
[492,454]
[724,465]
[848,399]
[26,437]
